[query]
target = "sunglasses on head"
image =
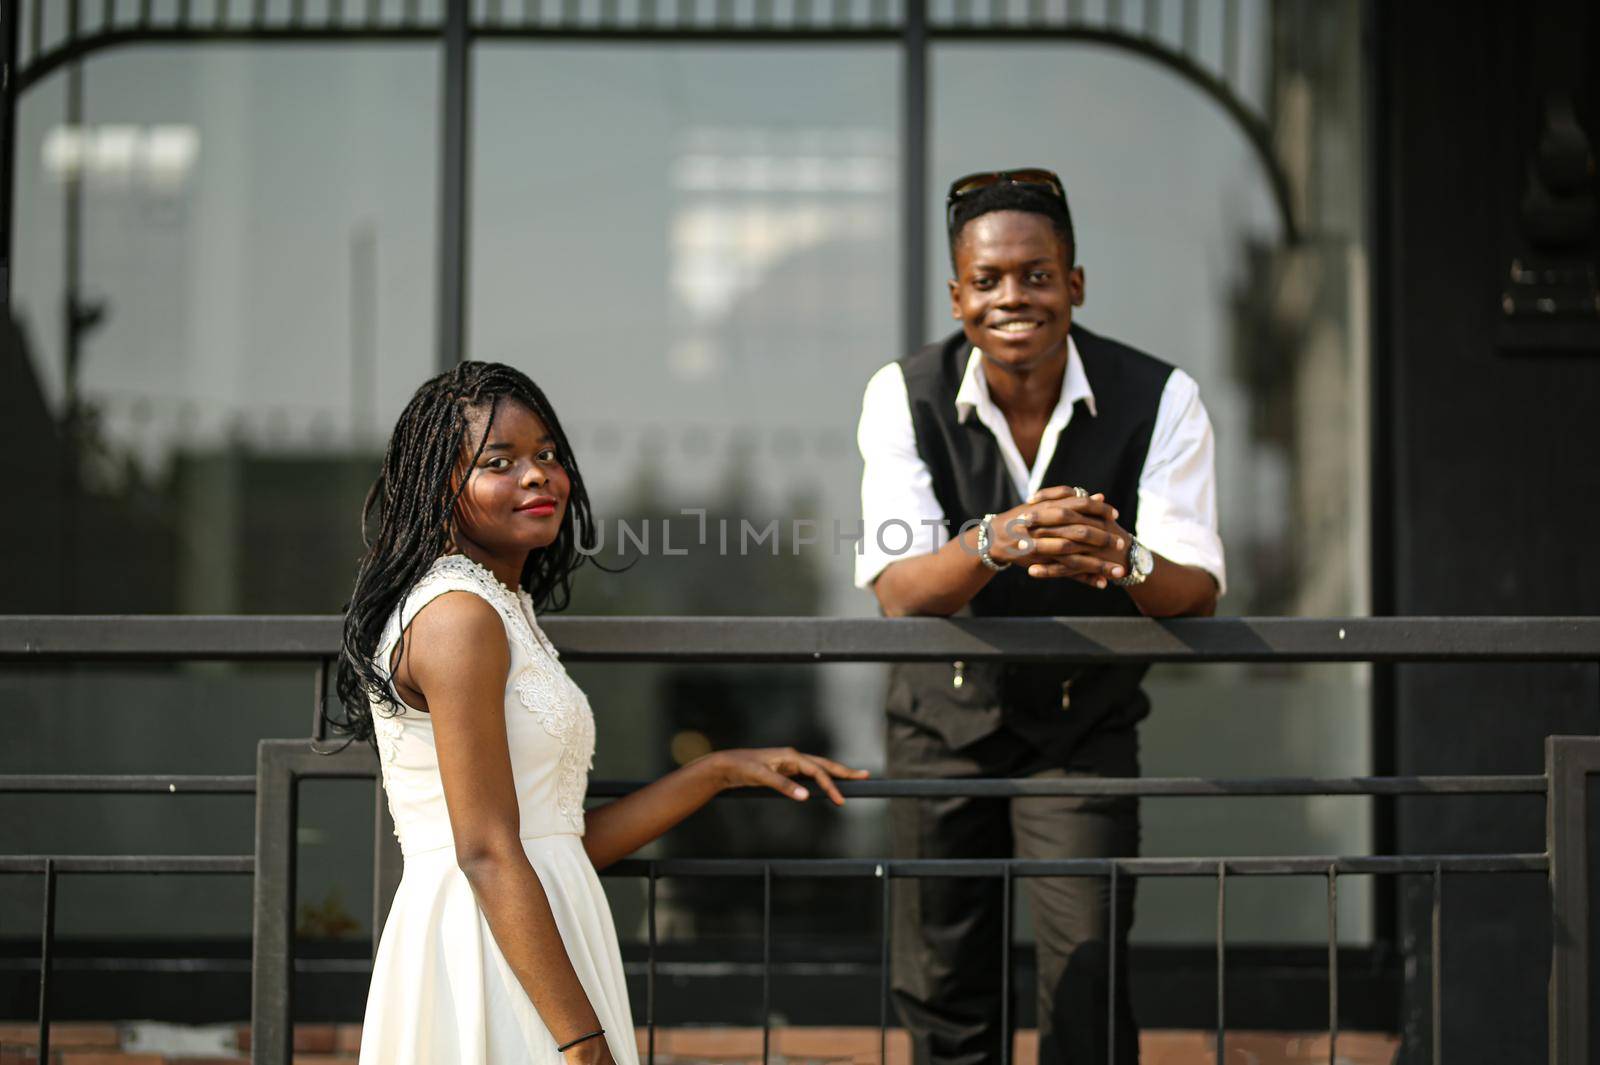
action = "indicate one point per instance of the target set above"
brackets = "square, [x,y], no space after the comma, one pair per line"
[1038,178]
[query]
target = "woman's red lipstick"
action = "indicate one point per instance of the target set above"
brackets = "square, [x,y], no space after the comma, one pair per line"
[542,507]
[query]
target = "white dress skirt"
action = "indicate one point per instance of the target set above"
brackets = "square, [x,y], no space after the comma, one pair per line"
[441,992]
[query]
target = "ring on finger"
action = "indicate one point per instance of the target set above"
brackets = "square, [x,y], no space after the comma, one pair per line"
[1023,545]
[1080,493]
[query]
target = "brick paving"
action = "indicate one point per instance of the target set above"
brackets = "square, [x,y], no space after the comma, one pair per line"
[337,1044]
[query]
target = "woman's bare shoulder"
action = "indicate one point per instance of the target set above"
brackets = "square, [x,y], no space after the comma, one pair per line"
[458,637]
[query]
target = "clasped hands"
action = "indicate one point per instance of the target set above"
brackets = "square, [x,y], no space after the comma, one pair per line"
[1058,533]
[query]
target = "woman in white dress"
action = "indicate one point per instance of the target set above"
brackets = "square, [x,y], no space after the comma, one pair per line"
[499,947]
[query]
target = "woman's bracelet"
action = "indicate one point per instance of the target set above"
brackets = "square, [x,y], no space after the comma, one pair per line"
[569,1044]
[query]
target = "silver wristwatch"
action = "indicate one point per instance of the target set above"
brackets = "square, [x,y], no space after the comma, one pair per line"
[1140,563]
[983,545]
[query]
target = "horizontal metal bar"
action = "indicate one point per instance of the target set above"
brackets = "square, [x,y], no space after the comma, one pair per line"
[677,29]
[209,864]
[692,33]
[1374,865]
[168,638]
[183,965]
[776,639]
[128,784]
[1142,786]
[818,956]
[301,759]
[125,784]
[358,767]
[1086,640]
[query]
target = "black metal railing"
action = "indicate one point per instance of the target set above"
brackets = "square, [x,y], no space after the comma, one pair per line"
[283,764]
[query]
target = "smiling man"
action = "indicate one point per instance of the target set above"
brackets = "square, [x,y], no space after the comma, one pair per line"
[1025,467]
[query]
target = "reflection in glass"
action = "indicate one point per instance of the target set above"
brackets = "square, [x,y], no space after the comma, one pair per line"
[698,264]
[251,237]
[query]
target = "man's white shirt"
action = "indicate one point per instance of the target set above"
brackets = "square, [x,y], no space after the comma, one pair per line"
[901,516]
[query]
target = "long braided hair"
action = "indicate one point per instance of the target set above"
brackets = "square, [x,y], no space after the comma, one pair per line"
[406,521]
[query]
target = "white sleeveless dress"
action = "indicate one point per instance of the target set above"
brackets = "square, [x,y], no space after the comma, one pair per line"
[441,992]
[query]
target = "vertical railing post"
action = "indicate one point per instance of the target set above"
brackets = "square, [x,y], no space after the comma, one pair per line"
[1333,964]
[47,942]
[885,960]
[272,948]
[1112,939]
[1436,966]
[650,974]
[1006,922]
[1569,761]
[766,963]
[319,701]
[1222,961]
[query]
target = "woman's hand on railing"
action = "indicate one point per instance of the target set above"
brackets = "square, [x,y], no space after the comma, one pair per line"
[773,767]
[619,828]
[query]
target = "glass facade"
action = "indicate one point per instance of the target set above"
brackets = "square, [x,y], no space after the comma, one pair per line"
[697,250]
[254,241]
[700,267]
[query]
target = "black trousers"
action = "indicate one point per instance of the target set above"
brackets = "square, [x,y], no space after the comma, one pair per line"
[947,932]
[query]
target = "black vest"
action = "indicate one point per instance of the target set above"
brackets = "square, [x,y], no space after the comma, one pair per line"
[1053,706]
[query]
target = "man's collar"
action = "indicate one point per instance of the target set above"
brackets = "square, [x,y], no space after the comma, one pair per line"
[974,388]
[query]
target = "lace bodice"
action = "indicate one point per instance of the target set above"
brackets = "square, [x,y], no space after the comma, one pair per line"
[549,725]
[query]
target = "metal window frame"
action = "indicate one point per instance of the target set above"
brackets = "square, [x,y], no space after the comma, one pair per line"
[459,29]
